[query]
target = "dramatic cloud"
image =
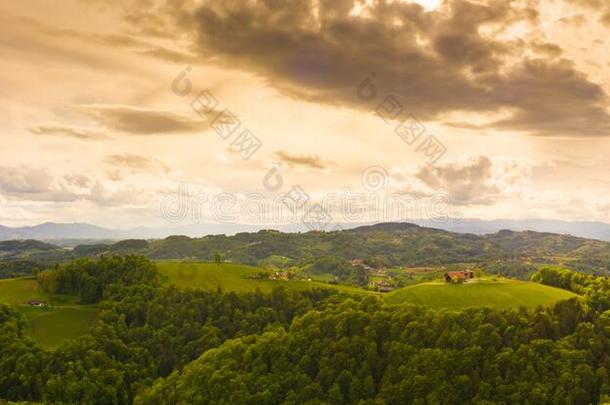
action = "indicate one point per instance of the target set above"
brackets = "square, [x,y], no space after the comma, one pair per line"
[70,132]
[140,121]
[540,88]
[91,83]
[460,57]
[311,162]
[470,183]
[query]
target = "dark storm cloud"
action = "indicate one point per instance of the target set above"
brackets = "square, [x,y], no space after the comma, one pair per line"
[452,59]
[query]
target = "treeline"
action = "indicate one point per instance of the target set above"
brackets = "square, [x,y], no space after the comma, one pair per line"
[343,270]
[88,278]
[26,244]
[18,268]
[510,268]
[595,289]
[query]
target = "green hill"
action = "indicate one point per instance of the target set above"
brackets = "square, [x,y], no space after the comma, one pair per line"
[384,245]
[390,245]
[24,245]
[484,292]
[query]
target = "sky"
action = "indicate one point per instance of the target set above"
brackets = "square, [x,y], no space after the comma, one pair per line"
[157,112]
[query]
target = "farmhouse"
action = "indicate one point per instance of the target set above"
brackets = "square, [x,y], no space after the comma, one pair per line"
[458,276]
[36,303]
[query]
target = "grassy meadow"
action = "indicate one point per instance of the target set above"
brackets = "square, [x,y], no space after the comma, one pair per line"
[48,325]
[51,326]
[18,291]
[501,293]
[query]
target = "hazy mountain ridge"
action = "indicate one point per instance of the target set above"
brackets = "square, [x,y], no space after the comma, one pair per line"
[52,230]
[82,231]
[584,229]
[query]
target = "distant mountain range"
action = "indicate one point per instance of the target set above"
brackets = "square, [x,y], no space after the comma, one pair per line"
[50,231]
[53,231]
[583,229]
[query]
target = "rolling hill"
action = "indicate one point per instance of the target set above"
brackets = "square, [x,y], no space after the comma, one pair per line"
[382,245]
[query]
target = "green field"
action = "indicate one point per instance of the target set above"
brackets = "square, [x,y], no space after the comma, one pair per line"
[51,325]
[233,277]
[20,290]
[499,294]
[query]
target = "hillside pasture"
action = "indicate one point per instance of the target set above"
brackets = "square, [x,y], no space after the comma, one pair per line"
[501,293]
[234,277]
[48,325]
[20,290]
[51,326]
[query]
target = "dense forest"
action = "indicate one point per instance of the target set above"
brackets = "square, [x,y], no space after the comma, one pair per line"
[365,353]
[162,345]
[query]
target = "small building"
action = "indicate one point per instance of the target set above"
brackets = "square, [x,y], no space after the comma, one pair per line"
[458,276]
[282,275]
[381,286]
[360,263]
[36,303]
